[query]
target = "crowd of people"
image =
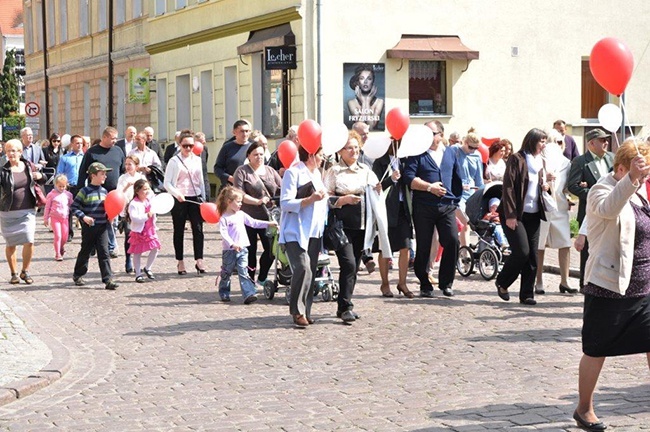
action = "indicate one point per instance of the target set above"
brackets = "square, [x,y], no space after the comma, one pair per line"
[426,195]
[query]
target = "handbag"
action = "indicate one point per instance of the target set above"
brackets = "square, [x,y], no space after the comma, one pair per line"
[334,237]
[40,196]
[549,204]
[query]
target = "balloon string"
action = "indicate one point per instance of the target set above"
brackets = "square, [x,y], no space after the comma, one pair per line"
[626,125]
[193,202]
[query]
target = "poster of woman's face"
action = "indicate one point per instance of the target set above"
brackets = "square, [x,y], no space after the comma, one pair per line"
[363,94]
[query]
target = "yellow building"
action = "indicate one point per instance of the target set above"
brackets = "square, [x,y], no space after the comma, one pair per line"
[506,63]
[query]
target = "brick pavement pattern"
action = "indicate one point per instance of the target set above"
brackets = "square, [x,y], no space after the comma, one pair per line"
[168,356]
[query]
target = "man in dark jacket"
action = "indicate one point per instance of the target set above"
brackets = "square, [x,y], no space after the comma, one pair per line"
[233,152]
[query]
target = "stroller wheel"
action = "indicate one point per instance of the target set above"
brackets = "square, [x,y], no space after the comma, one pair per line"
[270,288]
[335,291]
[327,293]
[488,264]
[465,263]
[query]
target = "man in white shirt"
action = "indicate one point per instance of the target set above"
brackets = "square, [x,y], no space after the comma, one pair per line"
[127,143]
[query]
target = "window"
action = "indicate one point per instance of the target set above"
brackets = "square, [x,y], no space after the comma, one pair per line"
[63,20]
[101,15]
[427,87]
[183,102]
[38,27]
[120,13]
[121,102]
[83,18]
[593,95]
[161,96]
[137,9]
[103,104]
[180,4]
[272,103]
[51,24]
[29,37]
[55,110]
[207,105]
[87,109]
[161,7]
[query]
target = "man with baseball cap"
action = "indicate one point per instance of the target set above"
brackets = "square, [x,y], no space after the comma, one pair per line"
[585,172]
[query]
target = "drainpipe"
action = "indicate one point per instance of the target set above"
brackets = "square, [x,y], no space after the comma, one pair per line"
[319,102]
[110,64]
[46,80]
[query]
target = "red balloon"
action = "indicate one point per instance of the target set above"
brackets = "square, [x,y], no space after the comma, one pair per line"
[309,135]
[114,203]
[397,122]
[198,148]
[209,212]
[489,141]
[484,151]
[287,151]
[611,63]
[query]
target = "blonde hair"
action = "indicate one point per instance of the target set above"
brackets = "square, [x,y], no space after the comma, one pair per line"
[13,143]
[628,151]
[471,137]
[60,177]
[226,196]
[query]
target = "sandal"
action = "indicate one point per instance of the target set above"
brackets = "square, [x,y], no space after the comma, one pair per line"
[14,279]
[26,277]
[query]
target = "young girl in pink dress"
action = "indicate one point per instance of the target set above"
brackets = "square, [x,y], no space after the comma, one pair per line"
[55,215]
[143,237]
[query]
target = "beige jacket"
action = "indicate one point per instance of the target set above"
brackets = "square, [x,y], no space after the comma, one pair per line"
[611,228]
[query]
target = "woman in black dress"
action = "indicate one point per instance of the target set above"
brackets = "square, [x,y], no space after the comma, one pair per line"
[388,169]
[616,319]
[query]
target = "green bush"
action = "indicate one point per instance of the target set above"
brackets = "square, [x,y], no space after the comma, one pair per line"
[11,127]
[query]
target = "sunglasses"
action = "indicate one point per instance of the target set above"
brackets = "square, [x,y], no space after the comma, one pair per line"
[188,146]
[56,140]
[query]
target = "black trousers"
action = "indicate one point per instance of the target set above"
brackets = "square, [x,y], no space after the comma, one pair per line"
[523,256]
[181,212]
[584,254]
[349,258]
[303,265]
[426,219]
[92,237]
[267,256]
[71,217]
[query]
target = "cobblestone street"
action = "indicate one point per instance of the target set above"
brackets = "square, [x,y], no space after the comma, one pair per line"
[167,356]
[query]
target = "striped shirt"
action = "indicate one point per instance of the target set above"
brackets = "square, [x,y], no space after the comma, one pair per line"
[90,202]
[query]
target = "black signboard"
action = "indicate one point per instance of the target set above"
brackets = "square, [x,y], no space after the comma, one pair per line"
[280,57]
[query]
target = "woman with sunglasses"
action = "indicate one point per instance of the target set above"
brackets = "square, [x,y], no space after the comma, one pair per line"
[184,180]
[52,152]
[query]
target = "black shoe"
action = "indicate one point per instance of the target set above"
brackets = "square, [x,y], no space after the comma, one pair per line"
[250,299]
[112,254]
[448,292]
[356,315]
[528,301]
[505,296]
[540,290]
[110,285]
[427,294]
[149,273]
[592,427]
[129,270]
[79,281]
[139,279]
[348,316]
[566,289]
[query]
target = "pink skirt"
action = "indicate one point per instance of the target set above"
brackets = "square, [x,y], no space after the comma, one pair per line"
[140,243]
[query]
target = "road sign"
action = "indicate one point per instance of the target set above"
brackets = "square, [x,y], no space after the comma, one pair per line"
[32,109]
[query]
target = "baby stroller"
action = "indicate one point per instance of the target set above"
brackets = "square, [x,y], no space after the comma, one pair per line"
[323,283]
[487,253]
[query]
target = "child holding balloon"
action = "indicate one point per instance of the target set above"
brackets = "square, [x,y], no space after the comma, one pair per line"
[235,242]
[143,237]
[88,207]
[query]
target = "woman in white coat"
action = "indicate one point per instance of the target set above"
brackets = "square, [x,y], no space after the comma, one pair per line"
[555,231]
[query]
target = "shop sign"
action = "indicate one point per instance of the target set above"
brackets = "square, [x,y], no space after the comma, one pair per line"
[280,57]
[139,85]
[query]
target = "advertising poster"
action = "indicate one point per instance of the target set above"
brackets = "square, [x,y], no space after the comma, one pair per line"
[139,85]
[364,92]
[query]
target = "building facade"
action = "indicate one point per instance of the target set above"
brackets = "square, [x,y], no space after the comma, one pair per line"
[502,65]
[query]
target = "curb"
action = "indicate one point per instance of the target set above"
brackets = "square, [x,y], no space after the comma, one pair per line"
[573,272]
[58,366]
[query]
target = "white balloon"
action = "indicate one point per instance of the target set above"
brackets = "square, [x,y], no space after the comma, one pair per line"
[162,203]
[65,140]
[416,140]
[334,138]
[610,117]
[376,146]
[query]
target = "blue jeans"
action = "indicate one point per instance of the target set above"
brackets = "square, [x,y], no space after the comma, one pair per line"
[110,230]
[231,259]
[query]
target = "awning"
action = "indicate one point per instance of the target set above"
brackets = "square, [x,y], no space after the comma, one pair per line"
[423,47]
[273,36]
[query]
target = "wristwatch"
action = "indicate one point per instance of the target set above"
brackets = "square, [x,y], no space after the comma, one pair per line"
[429,188]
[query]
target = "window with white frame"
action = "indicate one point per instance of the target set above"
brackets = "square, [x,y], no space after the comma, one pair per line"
[66,109]
[120,11]
[161,104]
[103,104]
[121,102]
[63,20]
[54,100]
[29,36]
[207,105]
[52,24]
[136,11]
[160,7]
[183,102]
[180,4]
[83,18]
[37,28]
[428,88]
[87,109]
[101,15]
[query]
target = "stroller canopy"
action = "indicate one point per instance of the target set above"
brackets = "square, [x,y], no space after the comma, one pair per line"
[477,204]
